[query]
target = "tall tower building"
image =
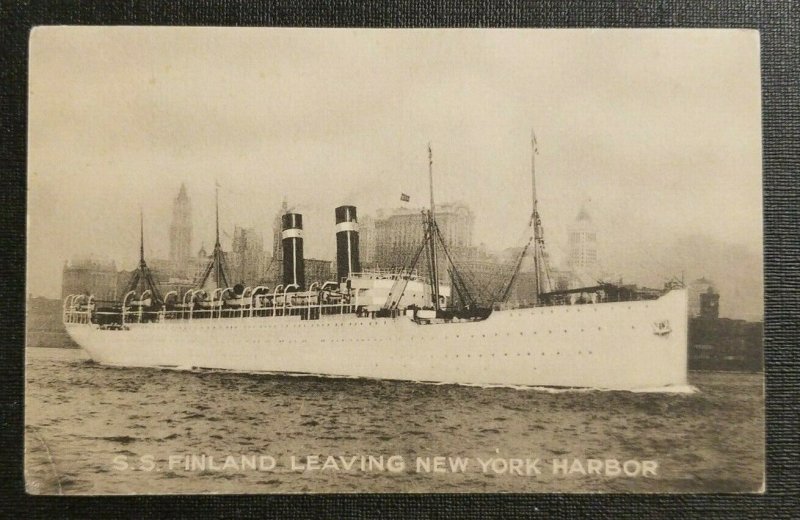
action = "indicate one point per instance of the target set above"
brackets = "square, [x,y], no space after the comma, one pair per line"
[703,299]
[366,227]
[582,245]
[248,251]
[399,235]
[277,247]
[180,232]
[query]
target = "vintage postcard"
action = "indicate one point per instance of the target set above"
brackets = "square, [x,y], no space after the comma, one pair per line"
[342,261]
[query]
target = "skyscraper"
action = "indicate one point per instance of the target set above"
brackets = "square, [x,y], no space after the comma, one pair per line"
[277,248]
[582,244]
[89,275]
[366,229]
[180,232]
[400,234]
[248,257]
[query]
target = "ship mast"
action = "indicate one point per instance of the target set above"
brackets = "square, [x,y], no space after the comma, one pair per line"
[217,246]
[141,238]
[142,275]
[217,257]
[216,209]
[541,277]
[535,220]
[431,237]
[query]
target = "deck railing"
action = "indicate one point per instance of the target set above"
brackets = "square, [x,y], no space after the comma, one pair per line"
[392,274]
[82,309]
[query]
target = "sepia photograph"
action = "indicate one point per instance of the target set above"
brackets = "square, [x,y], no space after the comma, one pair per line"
[284,260]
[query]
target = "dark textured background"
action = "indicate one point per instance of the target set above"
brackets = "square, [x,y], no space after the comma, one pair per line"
[778,22]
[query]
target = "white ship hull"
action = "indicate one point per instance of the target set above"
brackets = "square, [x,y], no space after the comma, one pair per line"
[636,345]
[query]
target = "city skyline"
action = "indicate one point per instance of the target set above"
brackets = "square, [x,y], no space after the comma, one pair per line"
[239,231]
[644,124]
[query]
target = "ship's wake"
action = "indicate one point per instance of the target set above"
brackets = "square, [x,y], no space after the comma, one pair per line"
[670,389]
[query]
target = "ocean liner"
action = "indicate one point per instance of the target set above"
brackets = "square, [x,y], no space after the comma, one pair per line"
[395,324]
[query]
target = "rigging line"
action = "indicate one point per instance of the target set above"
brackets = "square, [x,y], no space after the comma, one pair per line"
[405,276]
[483,288]
[455,275]
[269,267]
[516,271]
[532,223]
[461,288]
[545,267]
[498,287]
[455,270]
[511,267]
[455,286]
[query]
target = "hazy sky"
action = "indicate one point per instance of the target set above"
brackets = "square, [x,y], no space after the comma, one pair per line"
[660,129]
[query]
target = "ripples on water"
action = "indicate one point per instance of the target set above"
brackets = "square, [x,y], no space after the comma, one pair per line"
[80,415]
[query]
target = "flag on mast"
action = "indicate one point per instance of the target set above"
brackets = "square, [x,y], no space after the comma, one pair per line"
[404,197]
[534,142]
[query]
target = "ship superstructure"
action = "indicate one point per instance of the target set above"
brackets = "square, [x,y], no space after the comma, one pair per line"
[395,324]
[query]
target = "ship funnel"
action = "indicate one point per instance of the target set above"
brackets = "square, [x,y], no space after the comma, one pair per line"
[347,259]
[292,245]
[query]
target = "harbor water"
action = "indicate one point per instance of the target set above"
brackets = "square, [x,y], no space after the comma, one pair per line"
[92,429]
